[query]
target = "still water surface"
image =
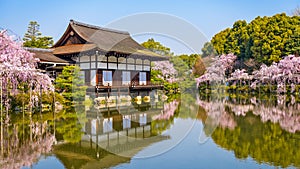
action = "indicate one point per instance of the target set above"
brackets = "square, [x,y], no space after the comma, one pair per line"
[184,132]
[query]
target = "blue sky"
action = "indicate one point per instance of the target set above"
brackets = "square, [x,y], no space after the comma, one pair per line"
[210,17]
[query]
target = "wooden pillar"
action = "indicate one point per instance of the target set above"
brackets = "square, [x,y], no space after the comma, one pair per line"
[126,64]
[126,135]
[106,61]
[117,63]
[143,131]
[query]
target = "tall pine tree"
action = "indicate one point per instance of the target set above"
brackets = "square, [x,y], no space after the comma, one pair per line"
[33,37]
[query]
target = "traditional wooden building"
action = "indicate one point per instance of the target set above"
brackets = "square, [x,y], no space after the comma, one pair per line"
[49,63]
[108,58]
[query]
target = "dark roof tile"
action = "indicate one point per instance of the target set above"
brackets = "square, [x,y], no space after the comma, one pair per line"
[46,55]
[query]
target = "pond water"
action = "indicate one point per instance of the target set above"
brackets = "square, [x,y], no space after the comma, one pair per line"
[187,131]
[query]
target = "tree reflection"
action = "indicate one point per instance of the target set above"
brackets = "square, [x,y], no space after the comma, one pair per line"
[24,143]
[165,119]
[266,130]
[68,126]
[27,136]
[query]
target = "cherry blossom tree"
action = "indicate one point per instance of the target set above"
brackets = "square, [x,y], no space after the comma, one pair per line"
[167,71]
[164,73]
[216,72]
[18,69]
[285,72]
[240,75]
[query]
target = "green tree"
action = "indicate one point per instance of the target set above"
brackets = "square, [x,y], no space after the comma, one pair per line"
[33,37]
[219,41]
[208,50]
[157,47]
[263,40]
[189,60]
[71,85]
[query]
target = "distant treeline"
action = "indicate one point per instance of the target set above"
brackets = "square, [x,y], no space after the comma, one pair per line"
[263,40]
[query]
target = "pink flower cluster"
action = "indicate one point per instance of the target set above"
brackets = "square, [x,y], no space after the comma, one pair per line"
[168,72]
[216,71]
[286,71]
[239,74]
[18,66]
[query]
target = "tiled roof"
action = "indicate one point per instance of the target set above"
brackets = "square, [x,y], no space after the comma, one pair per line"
[107,40]
[74,48]
[46,55]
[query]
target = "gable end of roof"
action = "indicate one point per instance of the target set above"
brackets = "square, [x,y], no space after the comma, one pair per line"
[98,27]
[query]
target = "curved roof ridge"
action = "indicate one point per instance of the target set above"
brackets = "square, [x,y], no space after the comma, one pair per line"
[98,27]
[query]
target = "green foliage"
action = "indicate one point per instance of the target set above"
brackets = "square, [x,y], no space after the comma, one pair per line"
[48,98]
[19,100]
[208,50]
[70,84]
[183,66]
[157,47]
[68,125]
[170,88]
[265,39]
[189,60]
[33,37]
[186,66]
[219,41]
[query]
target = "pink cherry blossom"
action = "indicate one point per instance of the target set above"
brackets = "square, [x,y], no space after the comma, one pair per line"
[18,67]
[167,70]
[216,71]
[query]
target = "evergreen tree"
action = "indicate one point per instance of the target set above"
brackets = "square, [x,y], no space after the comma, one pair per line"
[71,85]
[33,37]
[208,50]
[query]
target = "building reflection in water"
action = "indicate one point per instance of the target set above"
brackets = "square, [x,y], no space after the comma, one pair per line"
[101,136]
[124,128]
